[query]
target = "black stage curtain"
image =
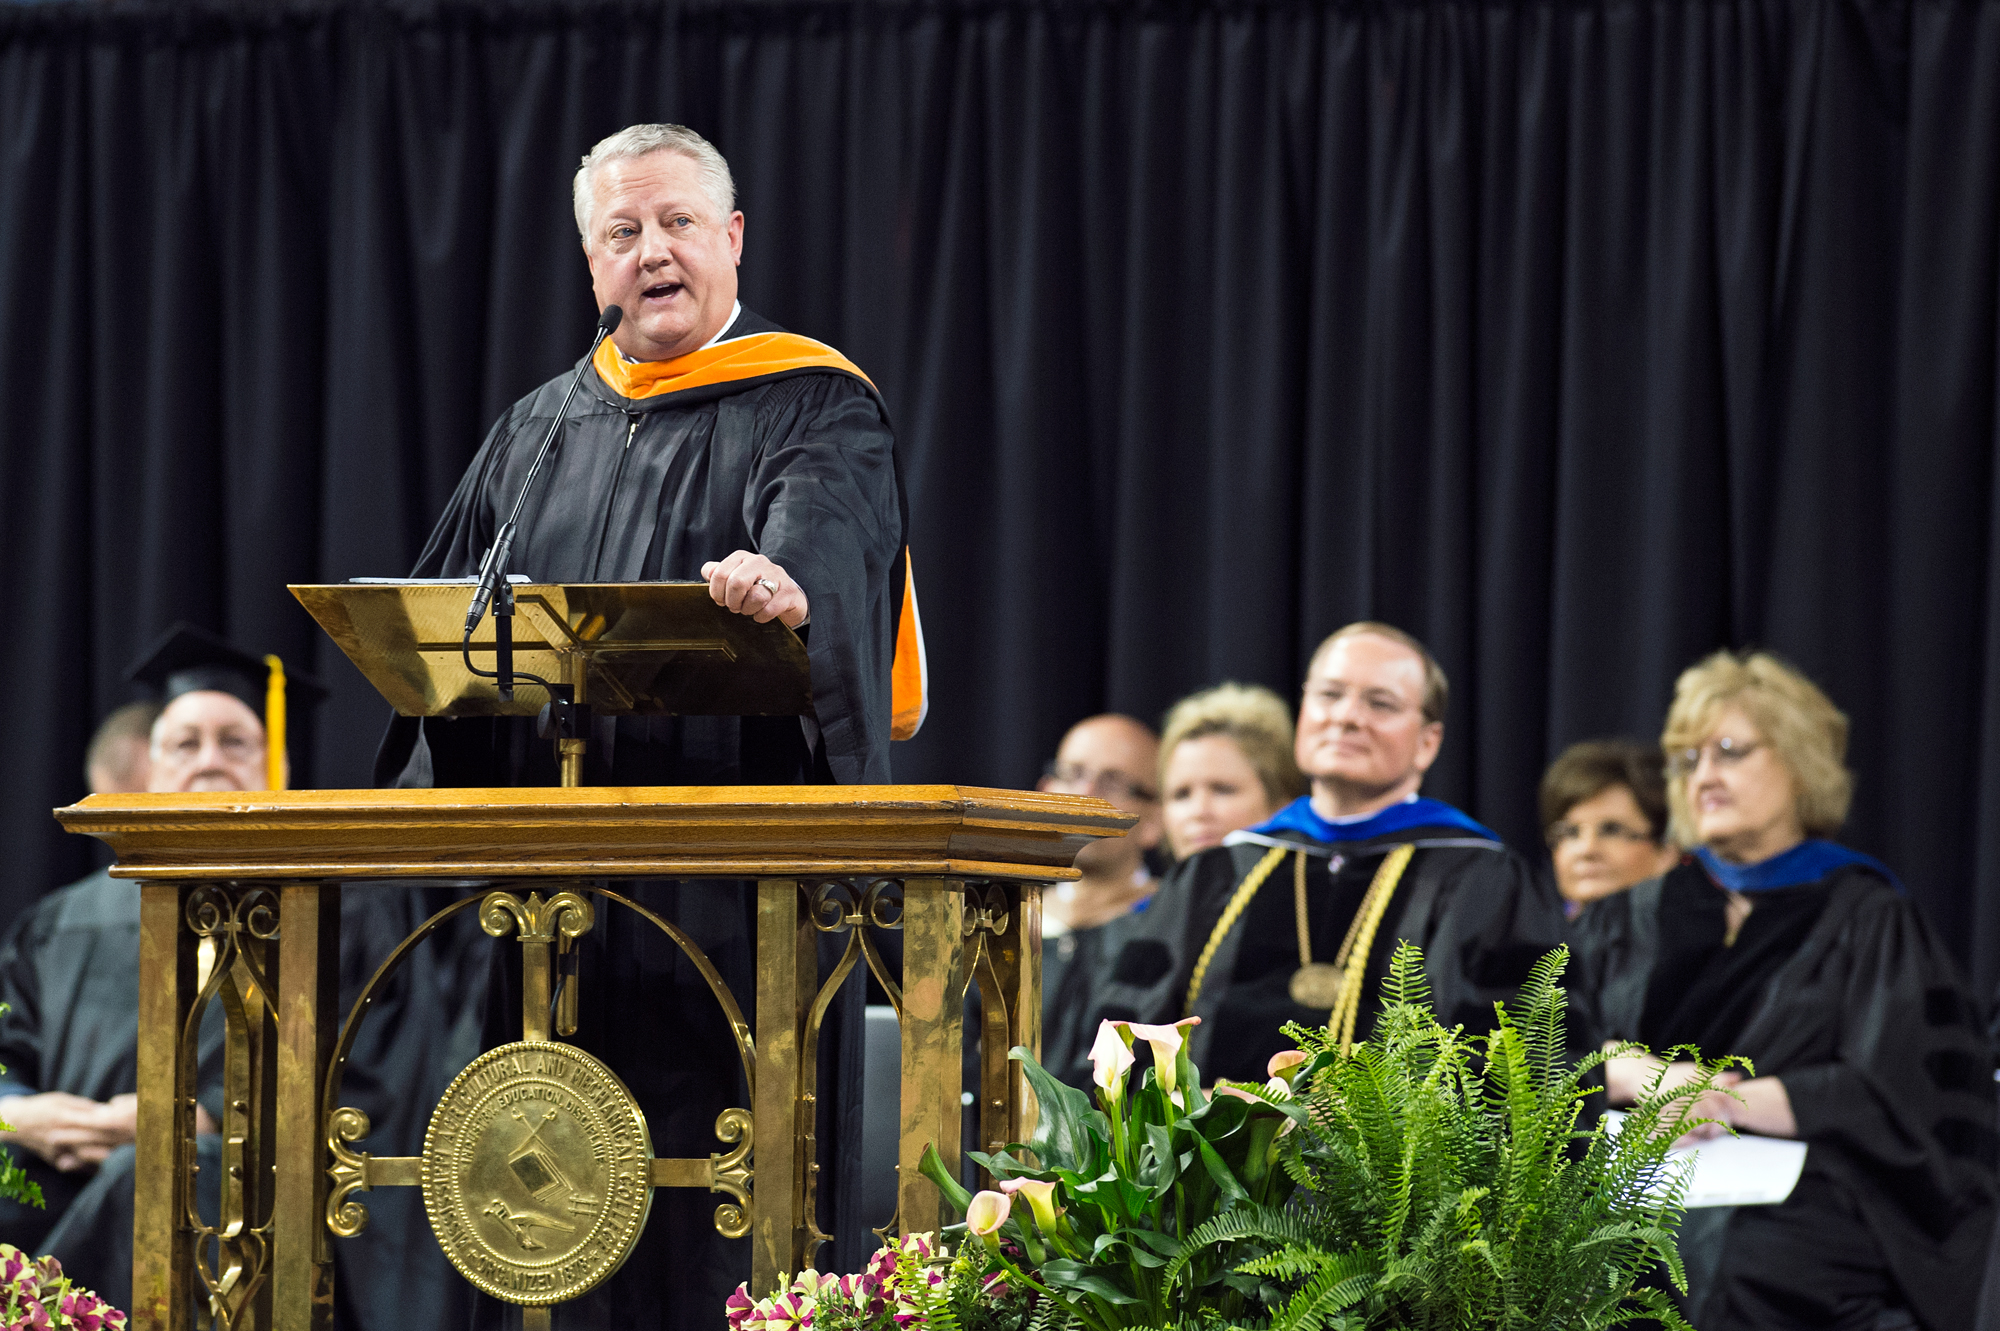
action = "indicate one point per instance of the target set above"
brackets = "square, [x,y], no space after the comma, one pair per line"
[1579,337]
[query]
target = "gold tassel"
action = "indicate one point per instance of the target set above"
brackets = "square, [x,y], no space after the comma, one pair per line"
[274,725]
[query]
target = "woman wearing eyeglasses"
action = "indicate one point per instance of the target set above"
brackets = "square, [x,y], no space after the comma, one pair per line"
[1604,815]
[1775,943]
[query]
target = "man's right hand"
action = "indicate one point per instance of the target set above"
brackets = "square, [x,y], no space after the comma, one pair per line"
[69,1131]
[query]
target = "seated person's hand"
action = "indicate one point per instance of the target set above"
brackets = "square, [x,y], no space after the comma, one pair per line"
[1628,1077]
[69,1131]
[1718,1105]
[1761,1105]
[752,585]
[72,1132]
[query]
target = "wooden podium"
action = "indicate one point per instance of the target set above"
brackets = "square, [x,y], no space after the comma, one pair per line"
[240,905]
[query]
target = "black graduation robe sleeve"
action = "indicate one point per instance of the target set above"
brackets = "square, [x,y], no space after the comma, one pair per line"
[1885,1063]
[801,470]
[466,527]
[1890,1078]
[1146,977]
[1493,919]
[821,504]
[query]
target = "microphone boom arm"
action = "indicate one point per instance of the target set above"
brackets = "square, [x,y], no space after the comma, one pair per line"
[494,567]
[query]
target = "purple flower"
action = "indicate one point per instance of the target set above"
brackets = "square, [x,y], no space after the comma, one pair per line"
[788,1311]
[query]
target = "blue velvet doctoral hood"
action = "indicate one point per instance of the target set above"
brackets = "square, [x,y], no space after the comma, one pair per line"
[1298,816]
[1807,862]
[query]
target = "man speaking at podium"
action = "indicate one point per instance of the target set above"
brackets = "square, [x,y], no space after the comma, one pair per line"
[705,443]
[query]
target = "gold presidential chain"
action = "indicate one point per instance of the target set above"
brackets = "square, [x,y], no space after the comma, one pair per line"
[1351,962]
[1336,986]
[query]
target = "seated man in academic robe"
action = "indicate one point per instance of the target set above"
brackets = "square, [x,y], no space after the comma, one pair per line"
[1296,919]
[67,1097]
[69,972]
[706,444]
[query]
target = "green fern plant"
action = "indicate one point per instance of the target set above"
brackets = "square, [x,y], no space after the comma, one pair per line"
[1444,1182]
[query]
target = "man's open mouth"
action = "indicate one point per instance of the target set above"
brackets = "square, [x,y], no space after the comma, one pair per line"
[661,291]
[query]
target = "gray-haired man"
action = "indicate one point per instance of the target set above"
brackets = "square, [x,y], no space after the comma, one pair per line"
[706,443]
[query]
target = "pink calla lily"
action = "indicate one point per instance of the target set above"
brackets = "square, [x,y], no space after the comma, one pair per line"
[986,1212]
[1111,1056]
[1285,1063]
[1166,1042]
[1041,1200]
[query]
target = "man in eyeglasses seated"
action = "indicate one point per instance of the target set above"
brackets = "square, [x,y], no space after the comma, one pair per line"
[1084,923]
[1297,919]
[1604,815]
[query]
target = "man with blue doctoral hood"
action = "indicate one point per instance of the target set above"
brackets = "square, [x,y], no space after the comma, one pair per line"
[1296,919]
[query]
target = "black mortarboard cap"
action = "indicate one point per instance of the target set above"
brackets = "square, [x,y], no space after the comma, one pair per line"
[186,659]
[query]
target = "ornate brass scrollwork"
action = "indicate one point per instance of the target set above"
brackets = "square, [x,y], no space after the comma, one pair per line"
[835,907]
[732,1173]
[345,1216]
[537,919]
[233,1255]
[987,910]
[566,916]
[886,1235]
[838,906]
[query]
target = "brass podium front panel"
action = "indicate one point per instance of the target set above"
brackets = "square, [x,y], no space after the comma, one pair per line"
[255,877]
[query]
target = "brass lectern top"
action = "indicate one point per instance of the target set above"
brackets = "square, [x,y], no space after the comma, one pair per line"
[626,647]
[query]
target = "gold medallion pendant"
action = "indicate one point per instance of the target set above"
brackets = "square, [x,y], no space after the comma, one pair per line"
[1317,985]
[537,1172]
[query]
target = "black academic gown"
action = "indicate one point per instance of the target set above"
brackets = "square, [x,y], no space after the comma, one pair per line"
[799,467]
[1474,907]
[69,975]
[1839,989]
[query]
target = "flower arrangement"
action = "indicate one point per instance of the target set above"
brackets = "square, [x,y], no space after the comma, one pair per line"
[916,1285]
[34,1293]
[1424,1178]
[1112,1192]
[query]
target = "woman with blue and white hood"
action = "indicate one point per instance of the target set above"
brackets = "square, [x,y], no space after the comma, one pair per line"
[1296,919]
[1772,942]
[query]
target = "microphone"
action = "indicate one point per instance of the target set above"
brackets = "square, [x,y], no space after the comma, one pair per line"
[493,569]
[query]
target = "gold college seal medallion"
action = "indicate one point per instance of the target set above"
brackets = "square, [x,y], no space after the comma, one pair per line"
[1317,985]
[537,1172]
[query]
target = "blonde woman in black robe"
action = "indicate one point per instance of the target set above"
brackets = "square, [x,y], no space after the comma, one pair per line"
[1776,944]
